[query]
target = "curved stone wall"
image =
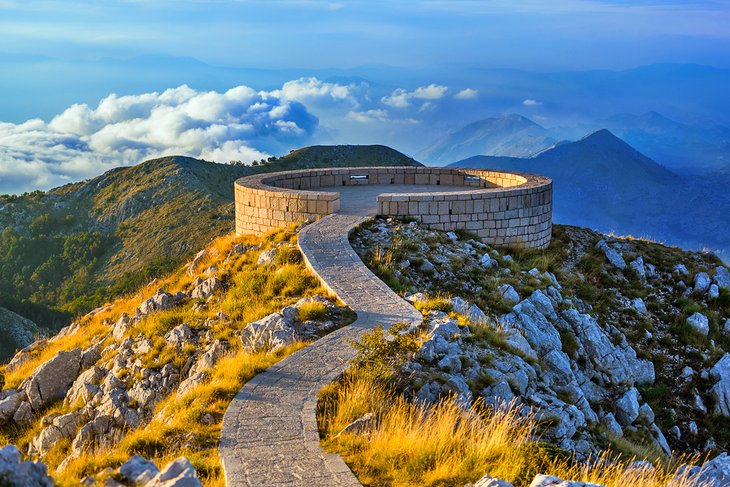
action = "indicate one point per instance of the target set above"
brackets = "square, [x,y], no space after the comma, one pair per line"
[502,208]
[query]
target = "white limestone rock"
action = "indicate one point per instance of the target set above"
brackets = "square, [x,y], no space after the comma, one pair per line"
[161,301]
[14,473]
[488,481]
[179,473]
[702,282]
[638,266]
[266,257]
[138,471]
[613,256]
[207,288]
[193,265]
[722,277]
[627,407]
[714,473]
[713,292]
[9,406]
[720,391]
[550,481]
[50,381]
[639,305]
[699,323]
[681,270]
[509,293]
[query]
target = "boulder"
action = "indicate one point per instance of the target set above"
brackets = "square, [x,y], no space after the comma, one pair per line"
[638,266]
[193,265]
[613,256]
[550,481]
[509,293]
[714,473]
[639,305]
[487,261]
[359,425]
[488,481]
[270,333]
[50,381]
[121,327]
[138,471]
[720,391]
[726,327]
[714,292]
[416,298]
[9,406]
[207,288]
[14,473]
[722,277]
[24,416]
[267,257]
[702,282]
[63,426]
[161,301]
[699,323]
[681,270]
[179,473]
[627,407]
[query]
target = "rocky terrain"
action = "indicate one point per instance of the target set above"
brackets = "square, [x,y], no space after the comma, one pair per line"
[16,332]
[615,343]
[153,374]
[66,251]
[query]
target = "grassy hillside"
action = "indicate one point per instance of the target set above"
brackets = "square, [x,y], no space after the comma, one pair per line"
[197,343]
[65,251]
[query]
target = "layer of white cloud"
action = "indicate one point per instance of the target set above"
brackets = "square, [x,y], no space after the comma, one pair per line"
[467,94]
[401,98]
[529,102]
[83,141]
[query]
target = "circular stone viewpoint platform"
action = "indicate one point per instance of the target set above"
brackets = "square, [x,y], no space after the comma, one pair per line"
[502,208]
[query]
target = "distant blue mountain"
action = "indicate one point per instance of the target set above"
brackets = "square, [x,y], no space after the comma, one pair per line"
[603,183]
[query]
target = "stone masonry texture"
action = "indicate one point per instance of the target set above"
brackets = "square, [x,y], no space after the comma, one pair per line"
[502,208]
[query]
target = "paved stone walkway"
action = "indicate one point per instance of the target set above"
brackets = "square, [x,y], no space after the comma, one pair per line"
[270,434]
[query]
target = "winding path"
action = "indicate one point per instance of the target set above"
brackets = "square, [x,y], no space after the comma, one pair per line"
[269,434]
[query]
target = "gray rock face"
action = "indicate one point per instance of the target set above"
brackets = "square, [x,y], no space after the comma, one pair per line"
[639,305]
[627,407]
[14,473]
[161,301]
[16,333]
[509,293]
[359,425]
[714,292]
[638,266]
[207,288]
[681,270]
[138,471]
[471,311]
[613,256]
[550,481]
[272,332]
[714,473]
[193,265]
[720,392]
[488,481]
[179,473]
[9,406]
[722,277]
[702,282]
[51,380]
[123,324]
[267,257]
[699,323]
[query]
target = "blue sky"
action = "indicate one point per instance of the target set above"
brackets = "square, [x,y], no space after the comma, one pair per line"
[90,85]
[527,34]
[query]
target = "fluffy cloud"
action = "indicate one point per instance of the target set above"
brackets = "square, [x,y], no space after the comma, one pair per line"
[378,115]
[401,98]
[83,141]
[467,94]
[531,103]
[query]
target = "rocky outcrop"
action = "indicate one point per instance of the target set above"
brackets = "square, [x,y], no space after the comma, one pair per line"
[14,473]
[284,328]
[207,288]
[51,380]
[613,256]
[713,473]
[720,391]
[16,333]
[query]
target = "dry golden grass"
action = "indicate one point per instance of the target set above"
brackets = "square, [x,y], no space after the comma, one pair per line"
[177,428]
[448,445]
